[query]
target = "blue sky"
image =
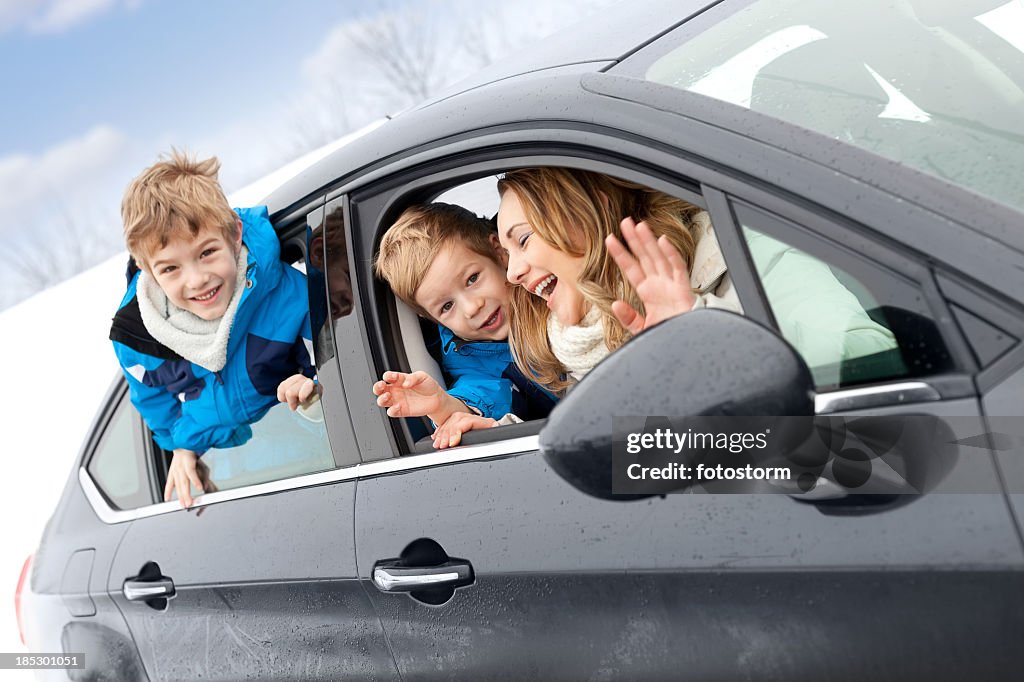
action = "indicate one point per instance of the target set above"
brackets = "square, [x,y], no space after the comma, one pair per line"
[151,66]
[95,90]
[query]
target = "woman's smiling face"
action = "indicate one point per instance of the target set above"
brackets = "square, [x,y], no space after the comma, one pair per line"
[537,266]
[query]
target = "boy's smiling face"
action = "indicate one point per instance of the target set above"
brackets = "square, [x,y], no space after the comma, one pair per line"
[198,275]
[466,292]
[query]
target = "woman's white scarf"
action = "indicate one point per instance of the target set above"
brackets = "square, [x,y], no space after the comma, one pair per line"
[203,342]
[580,346]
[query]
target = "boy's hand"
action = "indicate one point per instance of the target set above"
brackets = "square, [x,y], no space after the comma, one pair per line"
[296,390]
[415,395]
[181,475]
[449,434]
[657,272]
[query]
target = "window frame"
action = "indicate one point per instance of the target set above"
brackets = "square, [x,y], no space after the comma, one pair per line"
[378,204]
[855,242]
[117,402]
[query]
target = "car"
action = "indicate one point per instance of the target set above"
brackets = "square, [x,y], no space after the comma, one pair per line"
[883,140]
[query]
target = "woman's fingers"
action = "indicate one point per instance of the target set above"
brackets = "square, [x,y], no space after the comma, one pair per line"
[630,318]
[645,245]
[630,267]
[674,259]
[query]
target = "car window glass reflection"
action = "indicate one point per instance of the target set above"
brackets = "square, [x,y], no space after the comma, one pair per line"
[117,466]
[808,63]
[826,322]
[331,244]
[283,444]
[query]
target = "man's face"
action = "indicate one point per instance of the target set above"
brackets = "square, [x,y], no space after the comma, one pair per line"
[466,292]
[198,274]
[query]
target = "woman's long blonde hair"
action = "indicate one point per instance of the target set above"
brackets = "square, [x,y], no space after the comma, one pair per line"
[573,211]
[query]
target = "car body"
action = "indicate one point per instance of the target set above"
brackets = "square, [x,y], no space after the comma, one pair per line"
[300,566]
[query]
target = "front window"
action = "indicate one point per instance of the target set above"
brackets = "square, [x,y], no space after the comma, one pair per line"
[935,84]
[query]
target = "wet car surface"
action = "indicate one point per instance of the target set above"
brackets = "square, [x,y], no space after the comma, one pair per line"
[344,548]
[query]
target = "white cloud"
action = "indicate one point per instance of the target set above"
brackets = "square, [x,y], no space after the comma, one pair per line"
[73,168]
[54,16]
[67,196]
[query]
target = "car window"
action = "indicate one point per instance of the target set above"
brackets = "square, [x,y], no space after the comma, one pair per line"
[417,344]
[480,196]
[283,444]
[118,465]
[851,321]
[935,84]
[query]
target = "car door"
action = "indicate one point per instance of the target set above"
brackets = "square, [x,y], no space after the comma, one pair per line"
[258,580]
[68,608]
[482,561]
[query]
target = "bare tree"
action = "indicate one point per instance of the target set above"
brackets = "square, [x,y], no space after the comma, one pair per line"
[404,49]
[69,246]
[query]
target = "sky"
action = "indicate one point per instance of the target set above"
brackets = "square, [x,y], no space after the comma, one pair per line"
[96,90]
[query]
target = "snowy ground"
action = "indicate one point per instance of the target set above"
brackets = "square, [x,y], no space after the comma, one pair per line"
[56,365]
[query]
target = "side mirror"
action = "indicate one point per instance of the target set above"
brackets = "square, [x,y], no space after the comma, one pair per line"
[704,363]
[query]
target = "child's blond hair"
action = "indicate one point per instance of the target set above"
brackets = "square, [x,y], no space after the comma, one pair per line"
[173,199]
[413,242]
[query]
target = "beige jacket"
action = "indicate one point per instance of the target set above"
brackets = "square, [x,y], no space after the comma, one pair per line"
[708,276]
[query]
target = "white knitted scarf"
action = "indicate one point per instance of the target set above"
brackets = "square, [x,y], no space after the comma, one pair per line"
[580,346]
[203,342]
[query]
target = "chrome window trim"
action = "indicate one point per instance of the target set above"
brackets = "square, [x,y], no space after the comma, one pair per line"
[825,403]
[505,448]
[875,396]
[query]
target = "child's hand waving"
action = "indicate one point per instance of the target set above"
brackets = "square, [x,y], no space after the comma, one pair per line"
[409,395]
[658,273]
[415,395]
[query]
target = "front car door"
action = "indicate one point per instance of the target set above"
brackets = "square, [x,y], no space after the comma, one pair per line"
[566,586]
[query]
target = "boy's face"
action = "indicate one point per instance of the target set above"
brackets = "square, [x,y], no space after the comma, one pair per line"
[466,292]
[198,274]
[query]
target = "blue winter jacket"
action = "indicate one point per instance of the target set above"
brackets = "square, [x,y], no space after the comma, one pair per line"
[483,375]
[188,406]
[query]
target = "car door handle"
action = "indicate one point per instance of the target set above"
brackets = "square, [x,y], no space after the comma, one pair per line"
[398,578]
[143,590]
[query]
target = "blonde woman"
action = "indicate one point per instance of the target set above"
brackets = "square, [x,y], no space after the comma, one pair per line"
[581,294]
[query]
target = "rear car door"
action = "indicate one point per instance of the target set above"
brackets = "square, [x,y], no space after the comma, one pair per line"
[540,580]
[259,579]
[68,608]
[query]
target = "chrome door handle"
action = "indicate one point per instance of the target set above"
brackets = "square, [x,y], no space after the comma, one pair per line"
[141,590]
[394,578]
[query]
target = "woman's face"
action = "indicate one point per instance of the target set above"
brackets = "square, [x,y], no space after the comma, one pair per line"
[537,266]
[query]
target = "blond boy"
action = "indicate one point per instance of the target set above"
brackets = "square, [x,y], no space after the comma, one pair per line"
[214,328]
[446,264]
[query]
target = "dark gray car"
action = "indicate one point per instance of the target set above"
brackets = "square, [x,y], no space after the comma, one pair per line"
[883,139]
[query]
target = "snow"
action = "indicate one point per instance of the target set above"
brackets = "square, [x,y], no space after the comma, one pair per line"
[56,366]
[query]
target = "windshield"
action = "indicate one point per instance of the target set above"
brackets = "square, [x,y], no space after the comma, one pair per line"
[935,84]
